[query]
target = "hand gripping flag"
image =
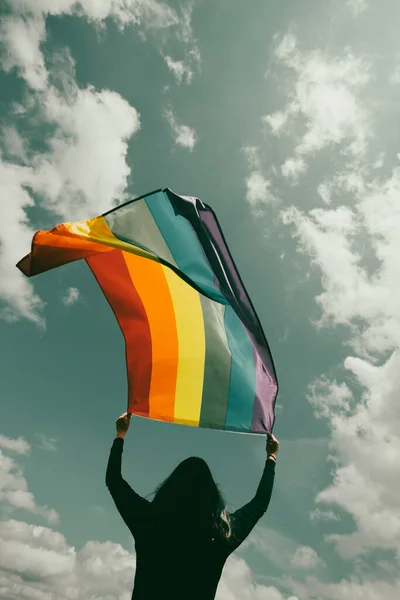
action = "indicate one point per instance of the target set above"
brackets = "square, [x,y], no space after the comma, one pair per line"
[196,353]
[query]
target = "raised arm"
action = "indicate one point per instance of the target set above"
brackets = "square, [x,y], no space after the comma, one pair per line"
[132,507]
[244,519]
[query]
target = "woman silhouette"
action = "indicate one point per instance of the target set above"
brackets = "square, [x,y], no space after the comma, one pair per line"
[185,534]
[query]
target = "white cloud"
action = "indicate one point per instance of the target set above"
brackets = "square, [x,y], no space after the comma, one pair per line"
[23,32]
[395,76]
[237,584]
[14,145]
[326,395]
[180,70]
[275,547]
[305,557]
[325,191]
[286,48]
[46,443]
[258,189]
[16,292]
[368,588]
[293,167]
[37,562]
[18,445]
[71,296]
[146,13]
[14,488]
[356,250]
[21,39]
[323,515]
[83,173]
[351,289]
[183,135]
[34,551]
[324,102]
[357,6]
[277,120]
[252,154]
[85,170]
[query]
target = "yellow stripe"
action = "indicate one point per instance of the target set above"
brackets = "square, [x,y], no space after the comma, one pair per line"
[97,230]
[191,349]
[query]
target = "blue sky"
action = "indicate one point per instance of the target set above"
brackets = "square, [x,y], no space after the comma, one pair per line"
[284,118]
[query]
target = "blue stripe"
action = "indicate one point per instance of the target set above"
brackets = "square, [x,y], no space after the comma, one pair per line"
[183,245]
[242,386]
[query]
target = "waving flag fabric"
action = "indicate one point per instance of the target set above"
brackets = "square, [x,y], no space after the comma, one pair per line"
[196,353]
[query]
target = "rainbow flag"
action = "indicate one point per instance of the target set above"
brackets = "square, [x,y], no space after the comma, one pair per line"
[196,353]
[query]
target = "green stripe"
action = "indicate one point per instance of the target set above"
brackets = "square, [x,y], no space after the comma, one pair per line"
[135,224]
[217,366]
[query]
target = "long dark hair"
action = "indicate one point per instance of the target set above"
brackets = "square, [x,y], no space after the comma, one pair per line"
[191,497]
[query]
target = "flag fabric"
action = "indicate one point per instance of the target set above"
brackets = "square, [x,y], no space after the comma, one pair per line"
[196,353]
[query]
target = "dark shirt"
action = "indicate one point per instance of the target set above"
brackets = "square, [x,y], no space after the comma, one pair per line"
[179,563]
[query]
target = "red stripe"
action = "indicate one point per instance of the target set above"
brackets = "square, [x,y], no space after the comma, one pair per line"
[112,275]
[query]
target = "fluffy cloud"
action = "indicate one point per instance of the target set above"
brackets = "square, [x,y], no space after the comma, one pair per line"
[357,6]
[85,170]
[324,103]
[82,172]
[183,135]
[14,492]
[258,188]
[46,443]
[293,167]
[21,39]
[366,589]
[37,563]
[14,145]
[146,13]
[305,557]
[71,296]
[16,292]
[365,296]
[353,289]
[180,70]
[352,241]
[237,583]
[18,445]
[355,248]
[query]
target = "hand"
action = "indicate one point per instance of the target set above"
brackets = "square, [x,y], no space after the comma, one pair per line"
[272,446]
[123,424]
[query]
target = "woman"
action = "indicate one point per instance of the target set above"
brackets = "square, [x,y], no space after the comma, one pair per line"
[184,535]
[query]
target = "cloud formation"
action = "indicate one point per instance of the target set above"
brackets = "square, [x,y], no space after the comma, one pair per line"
[83,169]
[71,296]
[324,104]
[183,135]
[258,187]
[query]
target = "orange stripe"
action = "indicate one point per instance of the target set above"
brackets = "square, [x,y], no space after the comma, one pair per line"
[152,287]
[51,249]
[111,272]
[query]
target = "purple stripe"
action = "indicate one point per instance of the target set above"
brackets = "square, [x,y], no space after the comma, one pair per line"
[264,400]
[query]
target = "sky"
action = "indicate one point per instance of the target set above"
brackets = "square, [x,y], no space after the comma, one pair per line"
[283,116]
